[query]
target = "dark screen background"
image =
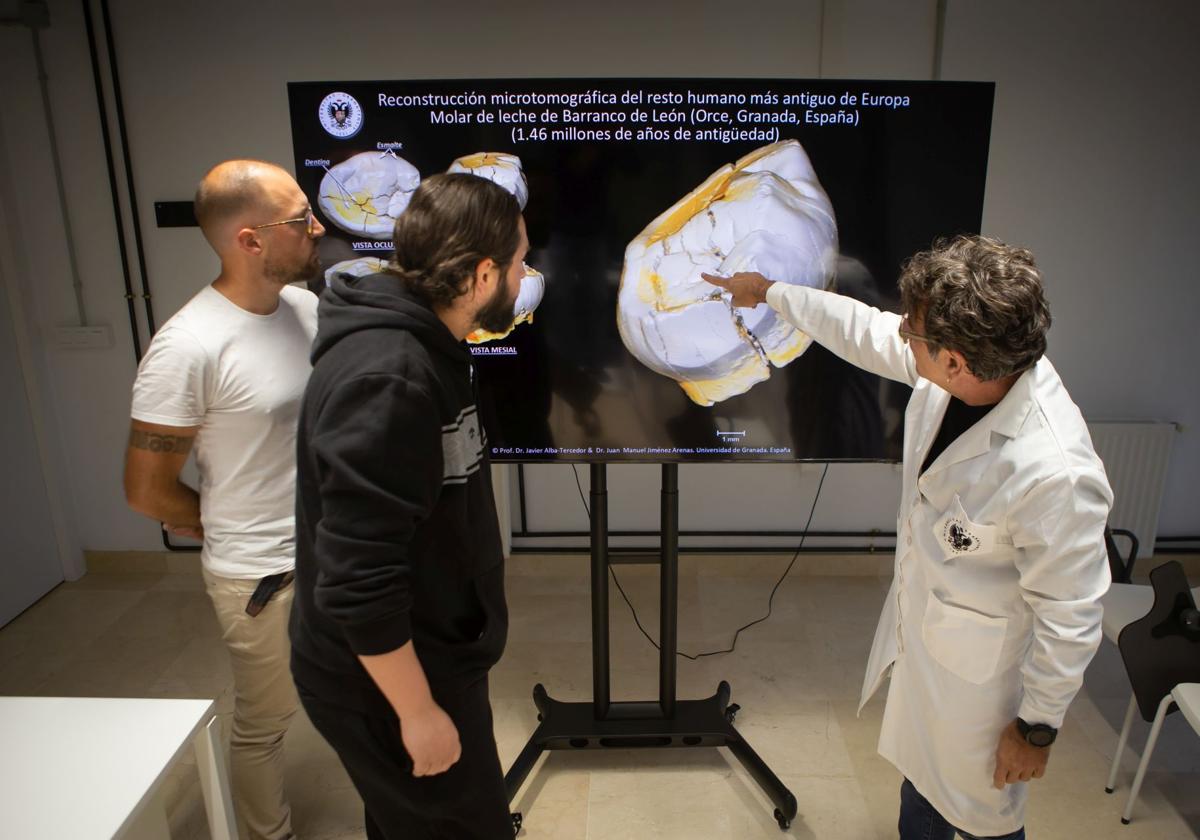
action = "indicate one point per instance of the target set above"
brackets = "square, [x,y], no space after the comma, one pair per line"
[897,180]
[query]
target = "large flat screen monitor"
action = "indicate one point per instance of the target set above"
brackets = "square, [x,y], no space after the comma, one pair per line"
[619,351]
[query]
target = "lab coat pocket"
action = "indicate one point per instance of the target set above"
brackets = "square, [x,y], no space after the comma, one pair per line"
[956,534]
[964,642]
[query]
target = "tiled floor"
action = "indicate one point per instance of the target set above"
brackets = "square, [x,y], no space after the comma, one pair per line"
[151,633]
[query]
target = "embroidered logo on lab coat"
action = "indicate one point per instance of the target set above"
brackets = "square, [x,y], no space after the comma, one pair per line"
[959,538]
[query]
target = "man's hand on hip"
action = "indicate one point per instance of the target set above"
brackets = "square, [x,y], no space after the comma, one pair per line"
[1017,760]
[431,740]
[749,288]
[192,532]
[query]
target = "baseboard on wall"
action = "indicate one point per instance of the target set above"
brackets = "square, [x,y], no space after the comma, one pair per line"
[141,562]
[747,565]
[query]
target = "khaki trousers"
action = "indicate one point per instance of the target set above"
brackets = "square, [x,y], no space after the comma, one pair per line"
[264,702]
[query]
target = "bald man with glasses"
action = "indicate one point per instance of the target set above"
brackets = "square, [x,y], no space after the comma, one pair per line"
[226,375]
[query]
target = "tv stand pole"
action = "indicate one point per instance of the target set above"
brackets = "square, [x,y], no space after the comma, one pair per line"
[667,722]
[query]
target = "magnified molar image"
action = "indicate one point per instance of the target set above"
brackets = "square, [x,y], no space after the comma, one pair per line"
[365,193]
[765,213]
[355,268]
[498,167]
[505,170]
[533,286]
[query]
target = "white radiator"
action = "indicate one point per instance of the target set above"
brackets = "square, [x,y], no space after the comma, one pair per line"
[1135,456]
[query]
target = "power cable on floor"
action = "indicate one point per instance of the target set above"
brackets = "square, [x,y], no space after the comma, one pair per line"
[738,632]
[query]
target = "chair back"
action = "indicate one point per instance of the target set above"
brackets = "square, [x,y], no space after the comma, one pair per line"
[1120,565]
[1162,649]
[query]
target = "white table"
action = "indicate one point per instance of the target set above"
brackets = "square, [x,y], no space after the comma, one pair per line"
[77,768]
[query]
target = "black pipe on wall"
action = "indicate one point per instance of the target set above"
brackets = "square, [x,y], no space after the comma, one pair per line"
[112,180]
[135,219]
[118,104]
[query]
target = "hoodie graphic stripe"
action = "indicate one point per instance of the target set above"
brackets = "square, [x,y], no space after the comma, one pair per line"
[462,447]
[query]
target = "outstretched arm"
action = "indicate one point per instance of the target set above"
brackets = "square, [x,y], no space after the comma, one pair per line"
[860,334]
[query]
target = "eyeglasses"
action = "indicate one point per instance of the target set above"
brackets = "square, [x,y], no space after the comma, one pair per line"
[907,334]
[310,222]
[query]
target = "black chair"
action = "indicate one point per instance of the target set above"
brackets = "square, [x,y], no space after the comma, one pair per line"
[1120,565]
[1161,652]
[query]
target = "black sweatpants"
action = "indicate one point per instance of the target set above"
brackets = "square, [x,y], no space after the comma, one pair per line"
[467,802]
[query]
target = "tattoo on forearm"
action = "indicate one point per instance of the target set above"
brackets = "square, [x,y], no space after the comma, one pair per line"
[154,442]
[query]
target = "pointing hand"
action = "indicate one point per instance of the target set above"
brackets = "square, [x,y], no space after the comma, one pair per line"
[749,288]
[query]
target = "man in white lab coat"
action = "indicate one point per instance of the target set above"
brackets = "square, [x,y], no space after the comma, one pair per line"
[994,611]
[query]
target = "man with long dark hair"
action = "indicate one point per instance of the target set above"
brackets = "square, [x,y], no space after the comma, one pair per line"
[400,609]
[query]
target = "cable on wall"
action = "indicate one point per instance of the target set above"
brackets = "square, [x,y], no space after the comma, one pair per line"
[876,538]
[112,180]
[119,107]
[131,190]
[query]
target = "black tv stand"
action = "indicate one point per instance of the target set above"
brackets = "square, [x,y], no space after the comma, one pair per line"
[667,722]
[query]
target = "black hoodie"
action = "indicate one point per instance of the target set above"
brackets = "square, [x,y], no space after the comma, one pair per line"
[396,529]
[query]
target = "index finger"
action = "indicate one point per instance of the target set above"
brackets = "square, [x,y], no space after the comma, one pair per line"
[716,280]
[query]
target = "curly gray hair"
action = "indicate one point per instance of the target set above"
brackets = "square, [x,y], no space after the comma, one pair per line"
[982,298]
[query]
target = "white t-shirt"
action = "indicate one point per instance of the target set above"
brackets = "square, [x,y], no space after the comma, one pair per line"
[240,377]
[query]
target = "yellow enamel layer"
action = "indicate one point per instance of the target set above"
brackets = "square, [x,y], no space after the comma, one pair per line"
[482,336]
[737,381]
[713,189]
[797,343]
[479,159]
[361,206]
[694,203]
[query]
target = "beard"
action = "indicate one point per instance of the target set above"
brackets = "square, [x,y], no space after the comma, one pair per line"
[293,271]
[496,316]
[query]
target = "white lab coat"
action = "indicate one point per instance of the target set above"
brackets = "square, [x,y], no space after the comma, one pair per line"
[1000,563]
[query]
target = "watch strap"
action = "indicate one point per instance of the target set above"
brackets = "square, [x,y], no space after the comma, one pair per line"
[1037,734]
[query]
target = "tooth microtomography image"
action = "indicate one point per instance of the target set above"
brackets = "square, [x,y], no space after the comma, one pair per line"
[767,213]
[533,286]
[355,268]
[365,193]
[498,167]
[505,170]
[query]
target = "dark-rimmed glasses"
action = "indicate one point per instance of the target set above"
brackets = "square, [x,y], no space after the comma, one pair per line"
[308,218]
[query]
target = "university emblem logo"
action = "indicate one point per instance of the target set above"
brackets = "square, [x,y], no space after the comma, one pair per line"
[959,538]
[340,115]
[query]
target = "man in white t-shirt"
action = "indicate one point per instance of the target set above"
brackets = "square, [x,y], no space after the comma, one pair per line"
[227,374]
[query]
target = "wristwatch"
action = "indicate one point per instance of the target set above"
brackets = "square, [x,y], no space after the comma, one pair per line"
[1037,734]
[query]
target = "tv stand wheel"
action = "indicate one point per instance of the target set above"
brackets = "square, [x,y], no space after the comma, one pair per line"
[731,712]
[784,822]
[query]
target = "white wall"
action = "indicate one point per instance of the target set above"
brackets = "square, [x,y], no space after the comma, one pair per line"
[42,538]
[1094,167]
[1091,167]
[30,564]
